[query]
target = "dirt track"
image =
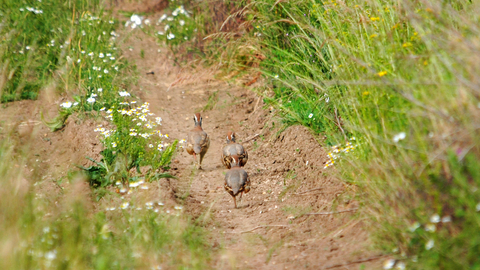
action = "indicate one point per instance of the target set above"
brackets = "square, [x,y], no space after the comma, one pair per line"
[273,228]
[269,230]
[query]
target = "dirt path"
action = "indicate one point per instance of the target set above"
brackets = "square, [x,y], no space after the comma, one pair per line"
[273,227]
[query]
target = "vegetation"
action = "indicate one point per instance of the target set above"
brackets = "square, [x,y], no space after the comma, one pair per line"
[395,83]
[392,85]
[61,47]
[66,231]
[133,142]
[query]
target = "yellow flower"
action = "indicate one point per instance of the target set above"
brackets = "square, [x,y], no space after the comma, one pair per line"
[373,36]
[406,44]
[425,62]
[382,73]
[375,19]
[365,93]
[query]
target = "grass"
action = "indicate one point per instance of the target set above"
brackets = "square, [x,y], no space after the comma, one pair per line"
[212,101]
[65,48]
[393,86]
[71,234]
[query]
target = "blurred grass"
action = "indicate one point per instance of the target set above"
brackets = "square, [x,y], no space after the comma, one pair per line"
[398,83]
[43,228]
[212,101]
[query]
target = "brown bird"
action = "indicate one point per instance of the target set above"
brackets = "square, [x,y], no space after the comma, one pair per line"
[233,148]
[236,180]
[198,141]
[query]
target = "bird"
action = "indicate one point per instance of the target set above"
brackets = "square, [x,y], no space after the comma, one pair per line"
[236,180]
[198,141]
[233,148]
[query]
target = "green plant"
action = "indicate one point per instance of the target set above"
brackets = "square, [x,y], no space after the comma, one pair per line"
[178,27]
[132,142]
[212,101]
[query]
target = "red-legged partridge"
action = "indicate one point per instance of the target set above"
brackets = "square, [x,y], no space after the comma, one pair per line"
[233,148]
[197,141]
[236,180]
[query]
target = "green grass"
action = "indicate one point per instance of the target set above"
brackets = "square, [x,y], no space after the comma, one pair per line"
[212,101]
[394,87]
[65,231]
[65,48]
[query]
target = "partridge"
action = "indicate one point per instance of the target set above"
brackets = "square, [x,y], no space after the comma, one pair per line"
[233,148]
[197,141]
[236,180]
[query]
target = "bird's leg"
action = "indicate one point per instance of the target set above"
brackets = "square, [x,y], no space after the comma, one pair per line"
[194,159]
[241,193]
[200,164]
[235,201]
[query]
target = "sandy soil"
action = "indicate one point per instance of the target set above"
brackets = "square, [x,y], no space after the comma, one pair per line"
[277,225]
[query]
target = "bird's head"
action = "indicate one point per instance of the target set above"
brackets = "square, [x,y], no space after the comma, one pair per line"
[235,161]
[230,136]
[197,118]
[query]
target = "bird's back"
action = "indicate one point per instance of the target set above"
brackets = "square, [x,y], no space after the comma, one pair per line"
[236,179]
[233,149]
[198,140]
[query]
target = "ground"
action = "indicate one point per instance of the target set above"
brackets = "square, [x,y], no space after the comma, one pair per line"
[297,215]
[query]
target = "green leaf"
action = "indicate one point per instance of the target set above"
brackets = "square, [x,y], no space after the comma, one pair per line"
[58,122]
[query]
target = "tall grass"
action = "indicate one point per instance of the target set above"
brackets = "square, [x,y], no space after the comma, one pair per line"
[402,78]
[45,230]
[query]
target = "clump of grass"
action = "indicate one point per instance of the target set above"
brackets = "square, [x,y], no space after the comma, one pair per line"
[177,26]
[131,141]
[400,77]
[212,101]
[186,26]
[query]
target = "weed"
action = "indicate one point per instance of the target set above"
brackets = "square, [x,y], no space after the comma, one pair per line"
[255,146]
[296,211]
[178,27]
[291,174]
[132,142]
[212,101]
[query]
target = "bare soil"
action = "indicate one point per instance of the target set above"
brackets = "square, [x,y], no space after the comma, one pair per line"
[275,225]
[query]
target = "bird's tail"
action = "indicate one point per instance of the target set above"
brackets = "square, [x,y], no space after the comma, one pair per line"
[235,188]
